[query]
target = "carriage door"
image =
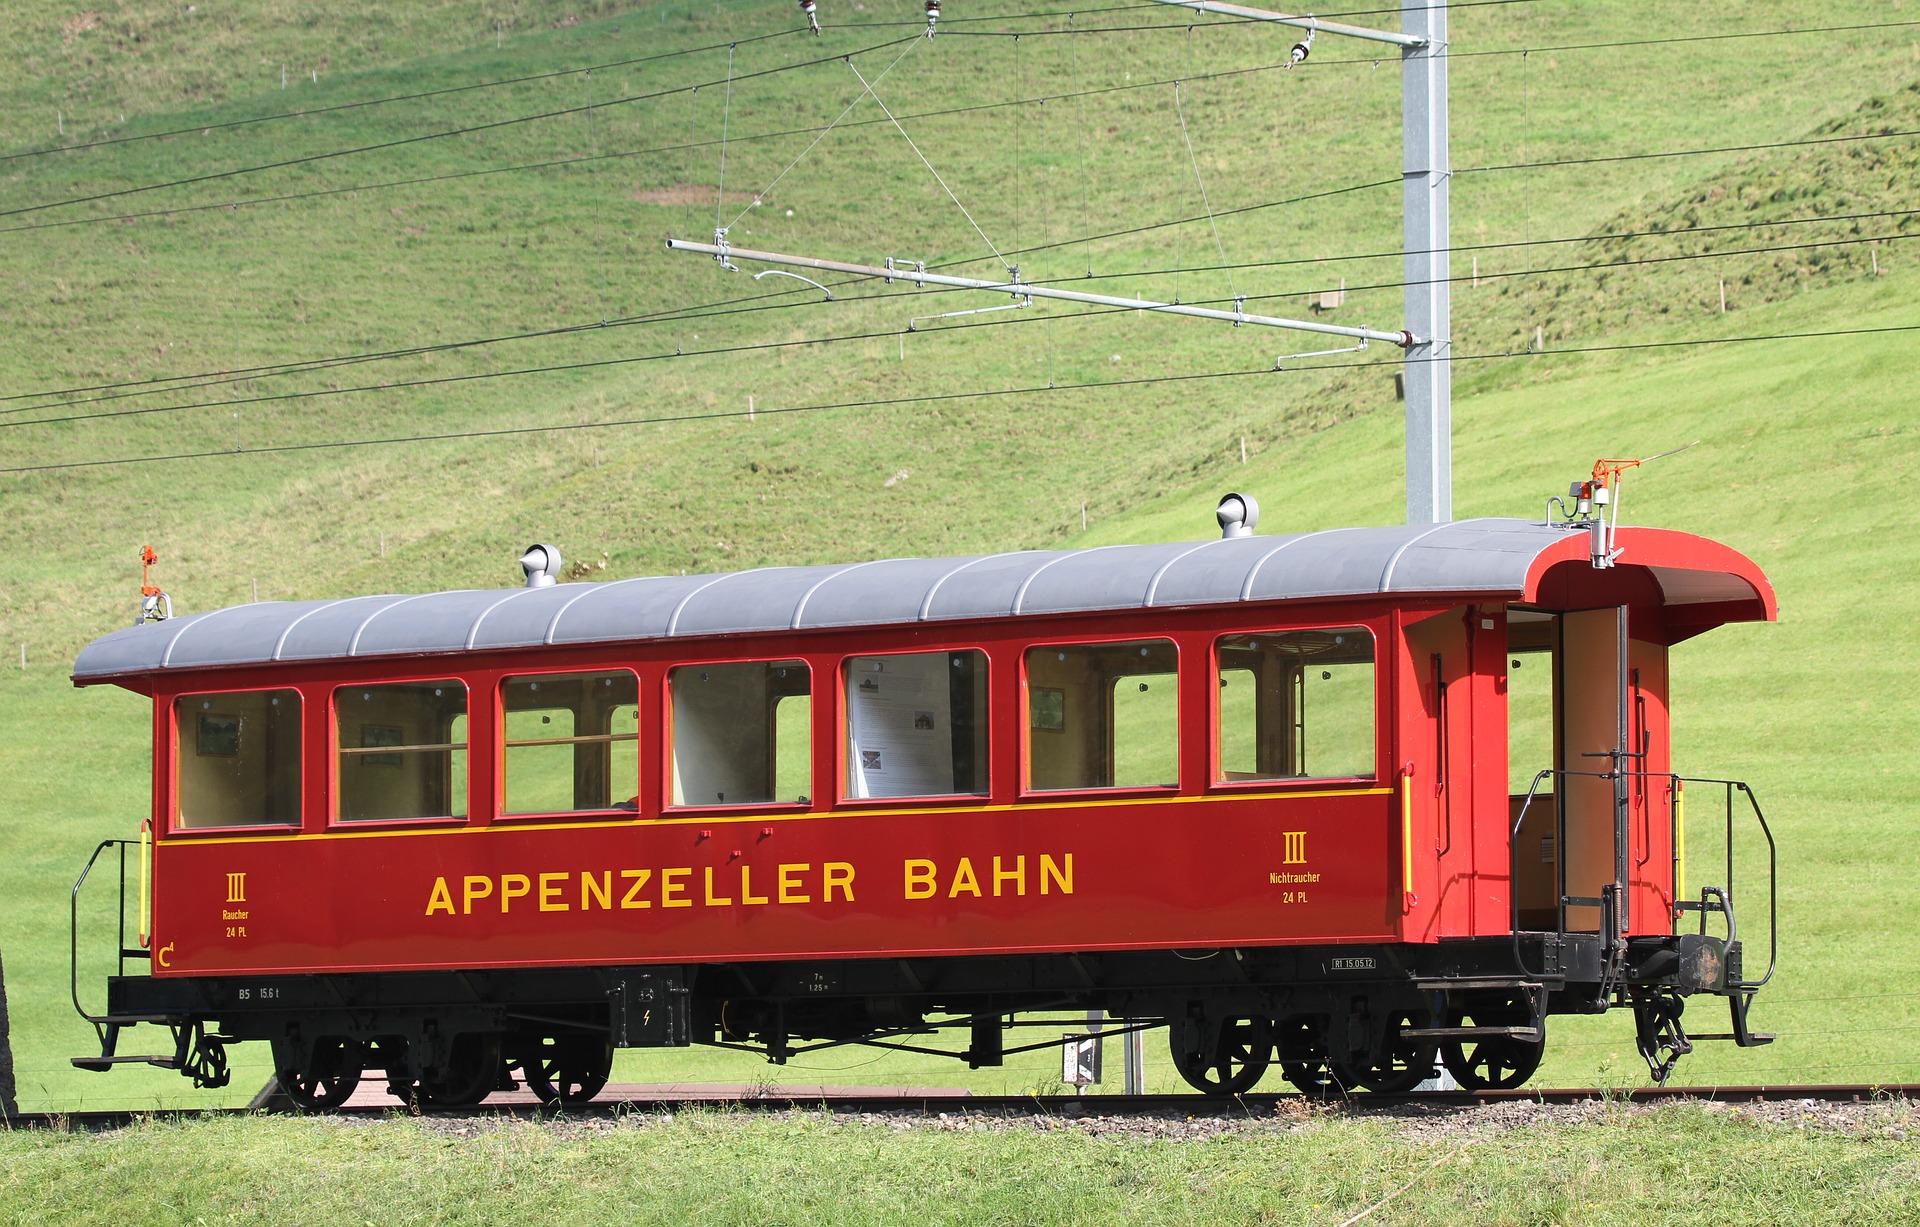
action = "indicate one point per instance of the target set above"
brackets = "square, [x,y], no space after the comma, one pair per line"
[1567,709]
[1591,697]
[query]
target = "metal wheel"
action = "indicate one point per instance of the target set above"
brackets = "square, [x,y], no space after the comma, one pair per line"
[1492,1062]
[1402,1064]
[1304,1062]
[568,1070]
[472,1072]
[328,1077]
[1243,1047]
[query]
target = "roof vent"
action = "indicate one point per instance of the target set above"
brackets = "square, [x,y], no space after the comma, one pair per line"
[1238,514]
[542,565]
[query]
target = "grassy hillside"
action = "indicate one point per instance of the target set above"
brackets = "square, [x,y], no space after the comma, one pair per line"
[1808,444]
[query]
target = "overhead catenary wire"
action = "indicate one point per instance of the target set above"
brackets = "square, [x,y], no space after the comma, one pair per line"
[1856,27]
[694,89]
[364,103]
[1185,221]
[881,103]
[670,419]
[969,394]
[189,383]
[866,92]
[400,142]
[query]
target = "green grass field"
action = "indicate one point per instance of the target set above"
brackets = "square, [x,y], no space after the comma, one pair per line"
[1678,1165]
[1807,455]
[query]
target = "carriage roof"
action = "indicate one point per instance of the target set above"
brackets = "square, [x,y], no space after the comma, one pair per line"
[1499,558]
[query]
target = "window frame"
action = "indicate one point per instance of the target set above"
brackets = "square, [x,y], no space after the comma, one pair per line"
[1023,767]
[168,710]
[843,745]
[336,794]
[665,740]
[499,812]
[1216,730]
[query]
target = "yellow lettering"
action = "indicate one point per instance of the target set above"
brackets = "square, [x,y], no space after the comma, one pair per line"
[1061,874]
[789,887]
[550,892]
[441,897]
[508,881]
[473,888]
[836,873]
[746,886]
[920,879]
[631,899]
[672,889]
[714,900]
[963,879]
[1017,875]
[591,889]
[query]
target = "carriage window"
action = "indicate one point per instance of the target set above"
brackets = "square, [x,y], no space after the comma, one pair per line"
[239,759]
[572,743]
[917,724]
[1103,715]
[1296,704]
[403,750]
[742,733]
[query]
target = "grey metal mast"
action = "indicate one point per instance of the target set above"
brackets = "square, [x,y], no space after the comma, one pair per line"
[1425,175]
[1425,172]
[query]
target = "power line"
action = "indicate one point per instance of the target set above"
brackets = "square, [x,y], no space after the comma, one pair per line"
[1638,262]
[468,130]
[976,394]
[938,113]
[186,383]
[667,420]
[361,104]
[310,112]
[1689,153]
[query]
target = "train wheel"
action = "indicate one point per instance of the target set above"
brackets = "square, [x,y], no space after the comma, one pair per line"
[1303,1059]
[1317,1079]
[328,1077]
[1242,1050]
[1402,1063]
[1492,1062]
[471,1074]
[568,1070]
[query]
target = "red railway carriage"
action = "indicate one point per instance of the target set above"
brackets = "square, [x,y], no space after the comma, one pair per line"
[1257,789]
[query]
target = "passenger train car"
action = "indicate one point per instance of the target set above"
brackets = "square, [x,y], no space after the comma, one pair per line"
[1254,789]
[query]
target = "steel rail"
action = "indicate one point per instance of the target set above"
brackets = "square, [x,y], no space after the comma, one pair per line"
[613,1102]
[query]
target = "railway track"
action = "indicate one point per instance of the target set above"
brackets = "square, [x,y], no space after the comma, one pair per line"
[614,1103]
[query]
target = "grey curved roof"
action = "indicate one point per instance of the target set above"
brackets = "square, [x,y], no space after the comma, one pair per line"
[1478,556]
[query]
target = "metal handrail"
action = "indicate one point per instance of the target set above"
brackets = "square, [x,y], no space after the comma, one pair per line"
[1773,868]
[1677,809]
[122,953]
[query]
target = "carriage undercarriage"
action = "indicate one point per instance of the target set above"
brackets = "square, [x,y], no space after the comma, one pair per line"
[1334,1019]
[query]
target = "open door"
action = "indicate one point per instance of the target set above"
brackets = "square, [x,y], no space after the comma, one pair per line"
[1568,715]
[1591,697]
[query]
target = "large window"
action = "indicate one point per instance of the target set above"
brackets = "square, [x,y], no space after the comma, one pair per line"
[572,743]
[239,759]
[742,733]
[403,750]
[917,724]
[1103,715]
[1296,704]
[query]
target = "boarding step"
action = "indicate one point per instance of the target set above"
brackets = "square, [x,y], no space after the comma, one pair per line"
[102,1064]
[1470,983]
[1526,1035]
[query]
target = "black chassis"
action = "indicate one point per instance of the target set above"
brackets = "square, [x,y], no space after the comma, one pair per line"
[1350,997]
